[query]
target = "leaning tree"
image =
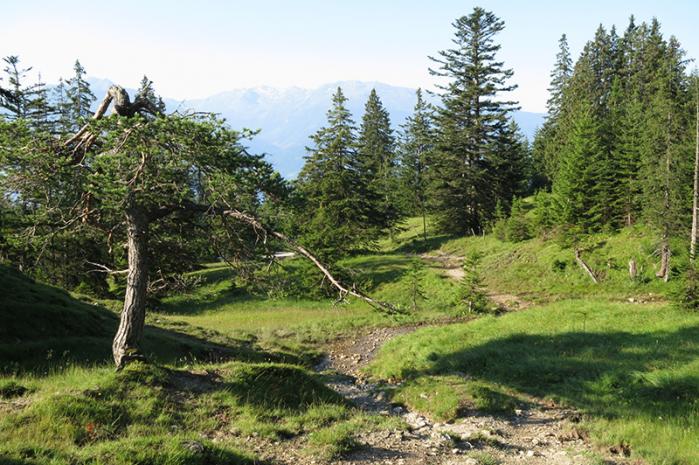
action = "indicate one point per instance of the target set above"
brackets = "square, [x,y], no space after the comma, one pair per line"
[128,174]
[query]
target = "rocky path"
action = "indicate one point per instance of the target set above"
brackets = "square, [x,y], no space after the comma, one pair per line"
[543,434]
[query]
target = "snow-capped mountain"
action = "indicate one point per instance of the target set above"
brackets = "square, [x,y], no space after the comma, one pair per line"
[286,117]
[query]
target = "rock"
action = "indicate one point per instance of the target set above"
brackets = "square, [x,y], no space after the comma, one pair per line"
[194,446]
[530,453]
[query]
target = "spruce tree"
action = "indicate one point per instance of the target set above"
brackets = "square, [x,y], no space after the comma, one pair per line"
[79,96]
[576,189]
[548,140]
[23,100]
[415,151]
[147,94]
[335,216]
[376,156]
[468,121]
[510,165]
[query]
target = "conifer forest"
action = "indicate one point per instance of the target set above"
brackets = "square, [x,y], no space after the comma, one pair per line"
[435,286]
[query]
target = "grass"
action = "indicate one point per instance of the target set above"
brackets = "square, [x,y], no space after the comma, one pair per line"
[106,417]
[220,306]
[231,361]
[631,368]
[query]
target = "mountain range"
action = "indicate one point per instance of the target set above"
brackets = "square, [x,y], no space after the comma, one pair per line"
[286,117]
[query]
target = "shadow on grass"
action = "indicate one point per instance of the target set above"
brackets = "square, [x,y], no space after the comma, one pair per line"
[607,374]
[176,343]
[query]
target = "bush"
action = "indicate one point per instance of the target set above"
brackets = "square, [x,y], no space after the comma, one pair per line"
[472,297]
[688,295]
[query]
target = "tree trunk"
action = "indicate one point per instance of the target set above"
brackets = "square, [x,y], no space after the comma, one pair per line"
[695,202]
[633,272]
[126,342]
[424,224]
[664,271]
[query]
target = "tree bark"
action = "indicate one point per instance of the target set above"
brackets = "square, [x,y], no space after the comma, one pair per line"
[664,271]
[125,347]
[585,266]
[695,202]
[424,224]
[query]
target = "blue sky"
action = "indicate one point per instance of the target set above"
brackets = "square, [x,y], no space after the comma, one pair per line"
[193,49]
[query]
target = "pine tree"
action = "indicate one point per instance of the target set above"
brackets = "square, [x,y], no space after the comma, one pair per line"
[376,154]
[79,96]
[23,100]
[471,294]
[468,121]
[549,140]
[560,75]
[576,189]
[335,215]
[510,165]
[416,275]
[146,93]
[63,120]
[415,149]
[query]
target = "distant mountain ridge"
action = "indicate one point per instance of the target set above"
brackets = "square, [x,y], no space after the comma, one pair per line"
[287,117]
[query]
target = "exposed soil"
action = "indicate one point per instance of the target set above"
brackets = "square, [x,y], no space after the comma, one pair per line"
[542,434]
[452,267]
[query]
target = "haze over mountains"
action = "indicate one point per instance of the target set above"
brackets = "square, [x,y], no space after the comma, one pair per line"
[288,116]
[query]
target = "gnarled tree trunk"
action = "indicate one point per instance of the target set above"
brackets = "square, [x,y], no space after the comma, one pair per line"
[133,316]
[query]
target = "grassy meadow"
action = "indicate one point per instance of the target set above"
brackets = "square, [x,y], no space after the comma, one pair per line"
[618,351]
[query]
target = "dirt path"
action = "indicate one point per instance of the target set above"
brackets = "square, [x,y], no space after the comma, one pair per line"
[452,267]
[543,434]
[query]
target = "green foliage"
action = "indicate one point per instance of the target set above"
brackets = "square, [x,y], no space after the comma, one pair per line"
[475,142]
[415,277]
[688,295]
[338,209]
[416,146]
[472,297]
[11,389]
[517,227]
[376,156]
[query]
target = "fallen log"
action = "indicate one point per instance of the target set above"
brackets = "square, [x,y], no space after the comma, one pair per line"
[257,225]
[585,266]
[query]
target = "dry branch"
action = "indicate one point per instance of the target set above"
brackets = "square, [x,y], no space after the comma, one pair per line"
[585,266]
[258,226]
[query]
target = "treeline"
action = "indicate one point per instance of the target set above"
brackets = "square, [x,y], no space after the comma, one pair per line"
[464,160]
[618,142]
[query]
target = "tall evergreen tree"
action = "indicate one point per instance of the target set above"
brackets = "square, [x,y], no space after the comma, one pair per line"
[23,100]
[560,75]
[468,122]
[576,189]
[376,154]
[511,165]
[335,214]
[415,151]
[147,93]
[79,96]
[548,140]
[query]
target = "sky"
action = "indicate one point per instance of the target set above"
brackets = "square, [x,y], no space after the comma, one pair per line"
[193,49]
